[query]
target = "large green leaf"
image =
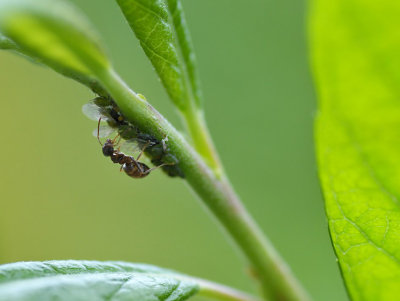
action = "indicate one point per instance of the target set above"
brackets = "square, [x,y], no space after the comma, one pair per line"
[73,280]
[161,29]
[53,33]
[91,280]
[356,56]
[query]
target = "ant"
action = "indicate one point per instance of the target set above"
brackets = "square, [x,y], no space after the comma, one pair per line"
[130,165]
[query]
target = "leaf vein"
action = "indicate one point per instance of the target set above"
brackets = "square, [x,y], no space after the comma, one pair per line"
[364,234]
[148,9]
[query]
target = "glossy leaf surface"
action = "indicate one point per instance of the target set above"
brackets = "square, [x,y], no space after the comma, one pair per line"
[356,46]
[91,280]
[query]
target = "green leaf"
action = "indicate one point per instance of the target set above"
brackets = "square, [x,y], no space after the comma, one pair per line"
[53,33]
[91,280]
[164,37]
[83,280]
[186,47]
[356,47]
[6,43]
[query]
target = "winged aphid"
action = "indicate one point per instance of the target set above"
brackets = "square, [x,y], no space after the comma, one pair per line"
[105,109]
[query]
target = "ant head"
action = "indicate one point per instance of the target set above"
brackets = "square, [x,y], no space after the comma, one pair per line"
[108,148]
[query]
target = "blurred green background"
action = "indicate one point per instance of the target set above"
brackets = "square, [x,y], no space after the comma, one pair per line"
[61,199]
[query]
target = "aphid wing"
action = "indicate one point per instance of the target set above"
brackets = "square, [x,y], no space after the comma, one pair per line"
[105,131]
[93,112]
[128,147]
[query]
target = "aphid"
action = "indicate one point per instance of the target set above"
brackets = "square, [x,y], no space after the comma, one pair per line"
[131,138]
[131,166]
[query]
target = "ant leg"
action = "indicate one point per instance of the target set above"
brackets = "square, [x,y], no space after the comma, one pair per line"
[113,141]
[143,149]
[118,142]
[156,167]
[98,132]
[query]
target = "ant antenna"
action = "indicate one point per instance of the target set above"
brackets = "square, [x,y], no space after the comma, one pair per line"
[98,132]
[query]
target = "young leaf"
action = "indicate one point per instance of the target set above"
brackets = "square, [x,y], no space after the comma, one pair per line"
[156,24]
[53,33]
[186,47]
[103,281]
[356,46]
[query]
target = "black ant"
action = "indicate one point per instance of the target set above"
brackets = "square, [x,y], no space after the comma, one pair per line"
[130,165]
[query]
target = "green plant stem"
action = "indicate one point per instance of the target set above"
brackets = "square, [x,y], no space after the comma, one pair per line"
[276,279]
[201,138]
[220,292]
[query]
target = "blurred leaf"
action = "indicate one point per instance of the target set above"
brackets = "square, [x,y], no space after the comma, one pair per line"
[91,280]
[53,33]
[156,24]
[356,47]
[6,43]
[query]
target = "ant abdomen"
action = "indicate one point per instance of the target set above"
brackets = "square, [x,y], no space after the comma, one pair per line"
[136,169]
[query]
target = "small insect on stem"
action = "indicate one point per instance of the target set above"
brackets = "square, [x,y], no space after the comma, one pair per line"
[131,166]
